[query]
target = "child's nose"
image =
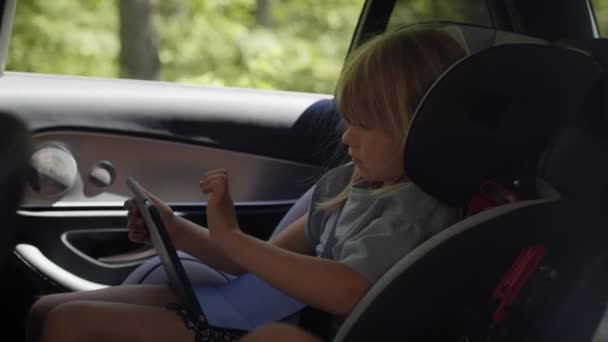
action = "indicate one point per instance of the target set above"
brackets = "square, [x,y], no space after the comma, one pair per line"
[348,136]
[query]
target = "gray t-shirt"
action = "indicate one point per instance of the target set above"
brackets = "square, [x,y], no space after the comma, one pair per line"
[372,233]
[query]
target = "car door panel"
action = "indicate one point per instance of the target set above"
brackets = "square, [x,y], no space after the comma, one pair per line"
[274,145]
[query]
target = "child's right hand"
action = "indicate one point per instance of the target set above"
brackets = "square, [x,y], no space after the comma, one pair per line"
[138,231]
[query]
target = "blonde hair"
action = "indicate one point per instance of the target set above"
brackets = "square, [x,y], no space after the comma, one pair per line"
[383,82]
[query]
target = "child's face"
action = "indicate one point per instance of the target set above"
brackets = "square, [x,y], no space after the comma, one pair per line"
[377,155]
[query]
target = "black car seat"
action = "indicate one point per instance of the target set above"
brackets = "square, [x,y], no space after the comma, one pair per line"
[575,308]
[15,151]
[492,111]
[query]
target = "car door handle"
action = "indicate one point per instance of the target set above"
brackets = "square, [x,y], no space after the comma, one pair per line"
[39,262]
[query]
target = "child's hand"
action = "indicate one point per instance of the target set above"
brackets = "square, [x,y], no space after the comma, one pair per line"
[138,232]
[221,216]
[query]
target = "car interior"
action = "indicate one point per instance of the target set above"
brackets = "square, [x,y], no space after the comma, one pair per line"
[525,112]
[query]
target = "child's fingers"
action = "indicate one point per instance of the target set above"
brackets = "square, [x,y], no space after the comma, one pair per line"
[132,220]
[138,236]
[211,175]
[142,233]
[138,231]
[130,206]
[133,216]
[136,226]
[216,182]
[214,186]
[132,226]
[215,176]
[217,186]
[215,171]
[205,188]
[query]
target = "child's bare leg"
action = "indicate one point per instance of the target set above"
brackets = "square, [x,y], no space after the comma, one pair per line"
[104,321]
[279,332]
[154,295]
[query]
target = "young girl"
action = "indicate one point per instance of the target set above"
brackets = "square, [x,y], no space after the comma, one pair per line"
[364,215]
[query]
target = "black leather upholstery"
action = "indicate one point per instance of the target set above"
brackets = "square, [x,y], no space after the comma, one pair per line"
[576,163]
[493,111]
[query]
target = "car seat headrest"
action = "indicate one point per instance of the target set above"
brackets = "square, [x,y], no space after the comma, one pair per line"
[492,110]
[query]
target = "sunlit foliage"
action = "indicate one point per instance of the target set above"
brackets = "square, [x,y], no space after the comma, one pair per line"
[212,42]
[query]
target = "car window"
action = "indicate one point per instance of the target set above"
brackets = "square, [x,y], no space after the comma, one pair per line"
[408,12]
[289,45]
[600,9]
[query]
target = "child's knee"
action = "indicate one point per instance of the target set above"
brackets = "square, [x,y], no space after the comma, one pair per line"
[66,322]
[43,305]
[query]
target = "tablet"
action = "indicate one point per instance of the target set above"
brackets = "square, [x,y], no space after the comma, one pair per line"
[178,280]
